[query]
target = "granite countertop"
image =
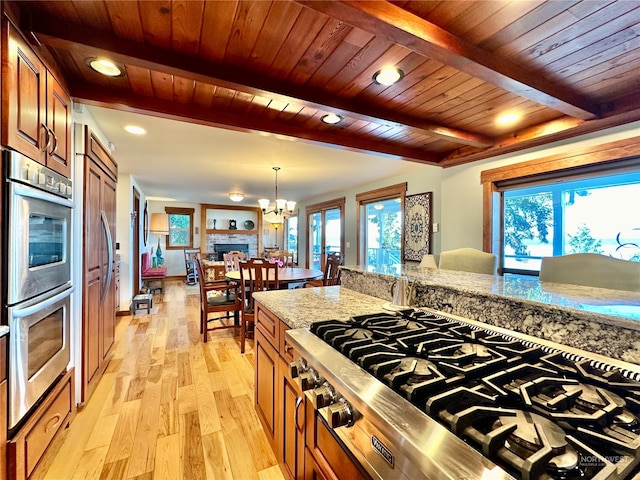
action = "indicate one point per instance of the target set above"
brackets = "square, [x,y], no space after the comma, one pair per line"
[615,304]
[3,330]
[299,307]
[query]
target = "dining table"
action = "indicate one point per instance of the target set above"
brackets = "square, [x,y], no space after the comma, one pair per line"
[286,275]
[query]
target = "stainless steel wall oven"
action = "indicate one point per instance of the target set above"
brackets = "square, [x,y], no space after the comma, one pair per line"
[37,279]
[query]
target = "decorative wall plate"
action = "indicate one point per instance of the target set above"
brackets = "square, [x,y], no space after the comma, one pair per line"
[417,224]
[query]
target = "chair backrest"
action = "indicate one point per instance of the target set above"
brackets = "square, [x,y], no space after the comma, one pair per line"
[232,259]
[469,260]
[285,257]
[592,270]
[191,254]
[257,275]
[332,271]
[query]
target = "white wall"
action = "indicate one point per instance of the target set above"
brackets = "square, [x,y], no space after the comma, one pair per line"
[420,179]
[461,200]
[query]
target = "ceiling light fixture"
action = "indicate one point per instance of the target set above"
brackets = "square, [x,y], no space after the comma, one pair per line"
[331,118]
[509,118]
[281,205]
[134,129]
[105,67]
[236,196]
[388,76]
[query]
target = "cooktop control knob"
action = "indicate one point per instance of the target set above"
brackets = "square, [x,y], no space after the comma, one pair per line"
[340,414]
[310,379]
[298,367]
[324,395]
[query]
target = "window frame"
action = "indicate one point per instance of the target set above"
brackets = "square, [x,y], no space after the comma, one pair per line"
[180,211]
[372,196]
[603,159]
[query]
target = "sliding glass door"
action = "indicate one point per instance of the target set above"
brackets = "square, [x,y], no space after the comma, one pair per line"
[325,227]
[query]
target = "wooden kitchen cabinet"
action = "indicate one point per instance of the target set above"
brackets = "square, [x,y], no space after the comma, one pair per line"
[99,285]
[36,116]
[279,400]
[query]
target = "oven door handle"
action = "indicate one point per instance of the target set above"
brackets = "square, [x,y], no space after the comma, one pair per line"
[107,232]
[17,312]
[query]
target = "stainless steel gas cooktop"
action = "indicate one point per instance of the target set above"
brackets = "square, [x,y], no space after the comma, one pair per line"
[420,394]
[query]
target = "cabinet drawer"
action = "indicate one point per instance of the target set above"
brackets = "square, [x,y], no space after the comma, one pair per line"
[30,443]
[269,324]
[287,352]
[52,419]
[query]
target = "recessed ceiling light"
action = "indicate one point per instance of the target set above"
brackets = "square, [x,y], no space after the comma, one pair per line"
[388,76]
[331,118]
[105,67]
[134,129]
[508,118]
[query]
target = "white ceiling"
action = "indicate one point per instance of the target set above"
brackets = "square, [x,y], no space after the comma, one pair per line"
[200,164]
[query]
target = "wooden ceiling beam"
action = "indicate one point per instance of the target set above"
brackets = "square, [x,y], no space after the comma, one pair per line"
[553,131]
[124,101]
[93,43]
[399,26]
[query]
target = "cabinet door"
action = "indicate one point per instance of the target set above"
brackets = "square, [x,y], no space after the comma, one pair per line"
[59,124]
[291,438]
[24,88]
[265,385]
[311,469]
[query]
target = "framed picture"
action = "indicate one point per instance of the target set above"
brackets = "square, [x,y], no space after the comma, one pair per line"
[417,226]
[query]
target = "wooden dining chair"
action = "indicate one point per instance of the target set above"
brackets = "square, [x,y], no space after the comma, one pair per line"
[256,275]
[190,257]
[331,271]
[286,258]
[232,258]
[217,296]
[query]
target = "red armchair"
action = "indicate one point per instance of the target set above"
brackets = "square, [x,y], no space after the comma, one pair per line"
[152,274]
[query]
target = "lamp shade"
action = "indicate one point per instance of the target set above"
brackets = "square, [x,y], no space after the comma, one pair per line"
[159,224]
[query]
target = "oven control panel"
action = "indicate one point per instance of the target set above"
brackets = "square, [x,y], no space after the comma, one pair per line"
[334,408]
[24,170]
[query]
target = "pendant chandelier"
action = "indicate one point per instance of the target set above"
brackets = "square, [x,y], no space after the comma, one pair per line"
[280,206]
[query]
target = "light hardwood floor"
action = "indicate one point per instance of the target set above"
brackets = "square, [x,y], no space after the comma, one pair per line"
[169,405]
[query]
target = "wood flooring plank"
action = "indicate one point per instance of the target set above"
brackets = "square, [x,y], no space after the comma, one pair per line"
[90,465]
[122,443]
[192,453]
[115,470]
[168,458]
[144,445]
[216,460]
[102,432]
[187,399]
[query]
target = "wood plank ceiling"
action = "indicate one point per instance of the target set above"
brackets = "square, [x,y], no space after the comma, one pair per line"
[568,67]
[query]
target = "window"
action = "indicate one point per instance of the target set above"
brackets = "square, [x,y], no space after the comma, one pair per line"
[291,236]
[584,202]
[598,214]
[380,227]
[180,228]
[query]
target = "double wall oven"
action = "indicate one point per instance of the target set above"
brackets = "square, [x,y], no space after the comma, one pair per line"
[37,279]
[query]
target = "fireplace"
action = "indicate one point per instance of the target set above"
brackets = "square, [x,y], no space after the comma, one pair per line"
[222,248]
